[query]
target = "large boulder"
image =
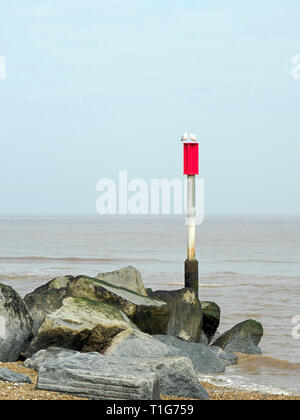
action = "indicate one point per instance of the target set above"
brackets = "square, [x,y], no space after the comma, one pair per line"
[15,324]
[177,377]
[47,299]
[186,313]
[211,318]
[6,375]
[80,324]
[134,344]
[204,360]
[97,377]
[242,338]
[48,355]
[149,315]
[129,278]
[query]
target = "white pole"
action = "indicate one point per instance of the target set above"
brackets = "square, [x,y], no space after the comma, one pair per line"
[191,264]
[191,209]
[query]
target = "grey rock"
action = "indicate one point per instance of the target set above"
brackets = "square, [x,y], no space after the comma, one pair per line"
[129,278]
[48,355]
[133,343]
[7,375]
[186,313]
[242,338]
[80,324]
[229,359]
[15,324]
[204,360]
[47,299]
[211,318]
[99,377]
[177,377]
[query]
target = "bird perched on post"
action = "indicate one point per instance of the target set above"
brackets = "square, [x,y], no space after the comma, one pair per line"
[184,137]
[193,137]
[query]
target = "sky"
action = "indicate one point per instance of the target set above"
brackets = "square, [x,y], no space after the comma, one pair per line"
[98,86]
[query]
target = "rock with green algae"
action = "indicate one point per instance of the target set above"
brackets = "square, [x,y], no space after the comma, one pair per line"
[242,338]
[80,324]
[211,318]
[15,324]
[150,315]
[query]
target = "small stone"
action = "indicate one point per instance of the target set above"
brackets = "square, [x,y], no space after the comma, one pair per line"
[7,375]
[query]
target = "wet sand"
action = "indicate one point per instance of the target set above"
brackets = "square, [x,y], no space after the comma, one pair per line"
[25,392]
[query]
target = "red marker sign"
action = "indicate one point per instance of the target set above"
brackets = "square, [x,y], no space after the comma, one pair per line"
[191,158]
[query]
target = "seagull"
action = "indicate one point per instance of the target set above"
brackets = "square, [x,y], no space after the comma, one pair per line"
[185,137]
[193,137]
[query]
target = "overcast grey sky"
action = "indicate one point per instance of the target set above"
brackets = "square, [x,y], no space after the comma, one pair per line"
[98,86]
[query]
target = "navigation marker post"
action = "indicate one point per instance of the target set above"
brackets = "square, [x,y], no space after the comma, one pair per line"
[191,169]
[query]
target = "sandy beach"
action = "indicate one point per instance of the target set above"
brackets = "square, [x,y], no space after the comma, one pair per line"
[28,392]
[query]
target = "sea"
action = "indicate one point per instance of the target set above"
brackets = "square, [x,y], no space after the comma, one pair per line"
[249,266]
